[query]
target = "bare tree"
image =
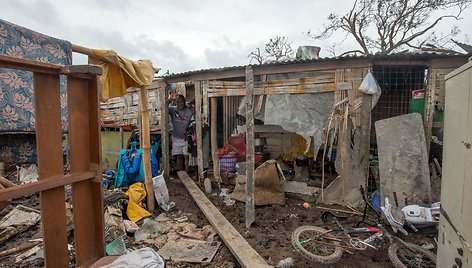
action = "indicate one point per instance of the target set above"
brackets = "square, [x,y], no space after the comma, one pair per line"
[390,25]
[278,48]
[257,56]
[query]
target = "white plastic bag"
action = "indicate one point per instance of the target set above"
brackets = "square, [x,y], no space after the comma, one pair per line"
[370,86]
[161,193]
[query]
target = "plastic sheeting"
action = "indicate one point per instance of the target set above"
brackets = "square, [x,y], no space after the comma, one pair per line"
[120,73]
[304,114]
[140,258]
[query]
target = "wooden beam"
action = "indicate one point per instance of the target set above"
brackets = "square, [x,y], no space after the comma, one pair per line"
[146,146]
[164,124]
[206,104]
[429,109]
[43,185]
[85,156]
[50,163]
[83,71]
[250,214]
[218,89]
[199,126]
[240,248]
[364,151]
[27,65]
[214,140]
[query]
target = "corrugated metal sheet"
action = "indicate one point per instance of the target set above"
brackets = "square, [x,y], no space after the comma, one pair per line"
[413,55]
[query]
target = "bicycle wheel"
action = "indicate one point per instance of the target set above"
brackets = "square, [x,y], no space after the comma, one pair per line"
[313,246]
[413,256]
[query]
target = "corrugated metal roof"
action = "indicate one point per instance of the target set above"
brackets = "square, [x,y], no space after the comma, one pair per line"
[414,55]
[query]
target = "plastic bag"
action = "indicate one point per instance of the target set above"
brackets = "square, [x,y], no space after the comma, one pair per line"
[161,193]
[370,86]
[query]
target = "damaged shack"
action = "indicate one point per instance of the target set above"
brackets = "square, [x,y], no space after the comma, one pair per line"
[310,113]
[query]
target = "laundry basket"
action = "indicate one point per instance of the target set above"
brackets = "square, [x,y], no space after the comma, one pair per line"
[228,163]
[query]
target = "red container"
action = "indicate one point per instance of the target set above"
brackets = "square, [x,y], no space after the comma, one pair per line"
[240,143]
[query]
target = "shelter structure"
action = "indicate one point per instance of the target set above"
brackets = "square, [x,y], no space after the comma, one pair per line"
[325,91]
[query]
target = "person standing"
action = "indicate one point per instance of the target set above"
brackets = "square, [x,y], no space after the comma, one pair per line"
[181,116]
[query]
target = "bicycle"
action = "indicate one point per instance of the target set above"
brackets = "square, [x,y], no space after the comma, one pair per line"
[326,246]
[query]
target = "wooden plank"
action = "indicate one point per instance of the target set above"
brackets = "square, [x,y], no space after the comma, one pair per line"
[27,65]
[87,196]
[240,248]
[199,126]
[49,146]
[82,71]
[164,124]
[214,140]
[146,146]
[429,109]
[364,146]
[206,103]
[299,89]
[282,89]
[42,185]
[319,79]
[227,92]
[225,84]
[250,213]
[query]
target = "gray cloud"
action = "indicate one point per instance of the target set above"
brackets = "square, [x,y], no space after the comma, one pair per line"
[182,35]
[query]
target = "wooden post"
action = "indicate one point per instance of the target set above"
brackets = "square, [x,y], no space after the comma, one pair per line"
[146,146]
[250,214]
[429,109]
[214,140]
[198,119]
[164,126]
[49,146]
[87,195]
[121,138]
[365,117]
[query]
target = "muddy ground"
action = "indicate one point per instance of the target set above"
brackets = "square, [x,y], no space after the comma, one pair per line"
[269,236]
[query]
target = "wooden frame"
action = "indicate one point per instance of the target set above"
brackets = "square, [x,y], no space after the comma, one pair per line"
[85,177]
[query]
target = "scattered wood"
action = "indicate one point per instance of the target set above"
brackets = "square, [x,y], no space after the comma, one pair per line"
[6,183]
[18,220]
[20,248]
[240,248]
[339,210]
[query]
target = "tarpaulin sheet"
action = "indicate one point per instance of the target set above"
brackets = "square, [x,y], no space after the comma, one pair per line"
[304,114]
[120,73]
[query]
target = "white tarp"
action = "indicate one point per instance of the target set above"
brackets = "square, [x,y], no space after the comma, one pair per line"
[304,114]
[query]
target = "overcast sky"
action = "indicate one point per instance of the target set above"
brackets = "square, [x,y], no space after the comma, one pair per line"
[182,35]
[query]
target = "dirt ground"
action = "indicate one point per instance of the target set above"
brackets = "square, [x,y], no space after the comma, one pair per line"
[269,236]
